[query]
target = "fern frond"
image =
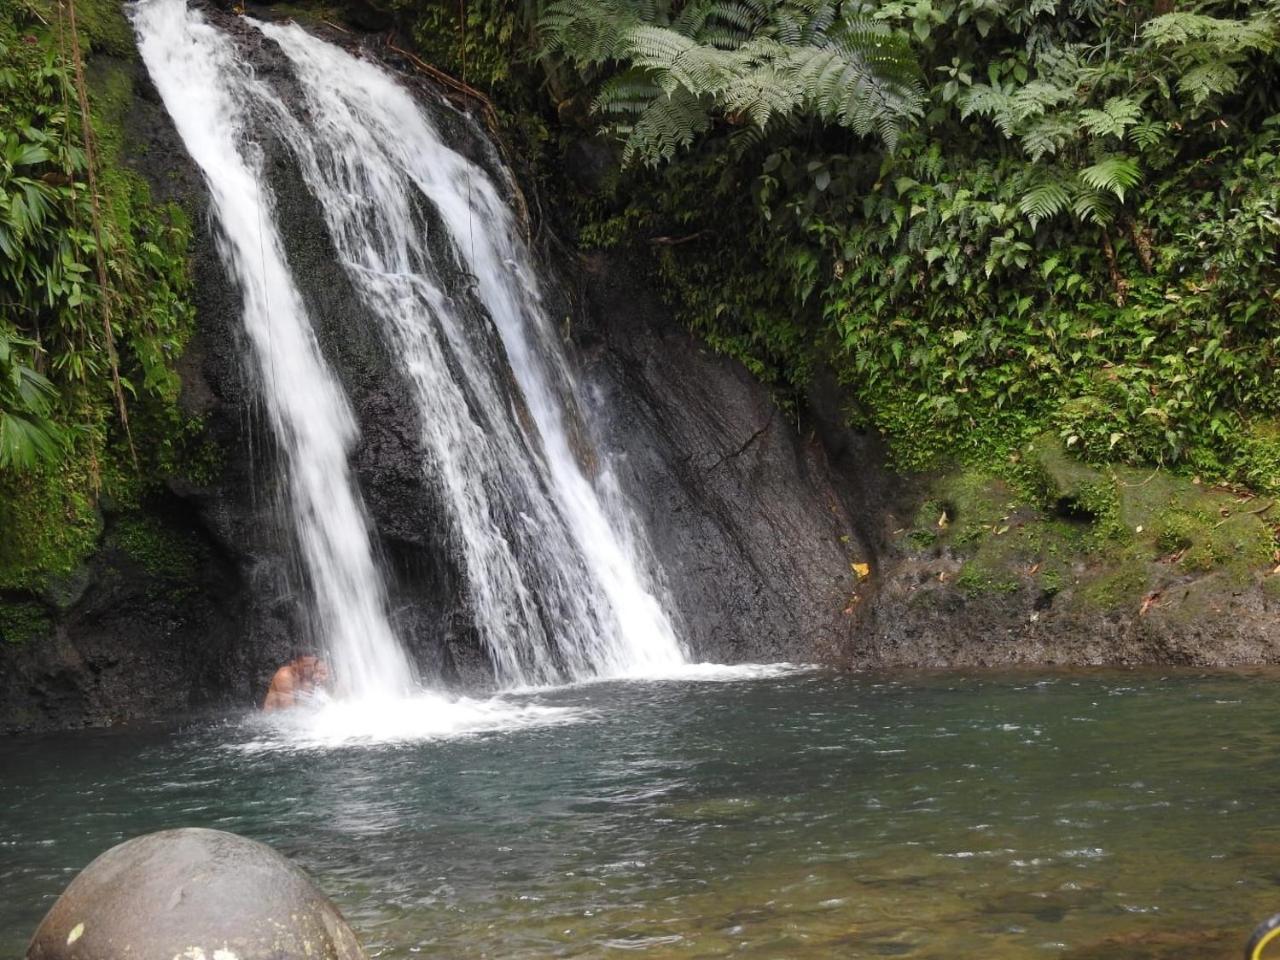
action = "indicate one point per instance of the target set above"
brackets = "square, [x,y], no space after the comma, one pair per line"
[627,94]
[757,61]
[1209,80]
[1260,32]
[1112,175]
[670,123]
[1148,133]
[1118,114]
[589,33]
[1044,201]
[1092,206]
[1047,136]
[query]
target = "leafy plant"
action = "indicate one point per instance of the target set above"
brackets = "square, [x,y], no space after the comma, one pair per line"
[1075,233]
[93,285]
[27,435]
[753,64]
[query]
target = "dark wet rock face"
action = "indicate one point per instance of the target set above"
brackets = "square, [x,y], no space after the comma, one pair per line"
[196,895]
[755,539]
[147,628]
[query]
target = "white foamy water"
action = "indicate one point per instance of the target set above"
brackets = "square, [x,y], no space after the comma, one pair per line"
[204,86]
[723,672]
[327,723]
[559,580]
[424,716]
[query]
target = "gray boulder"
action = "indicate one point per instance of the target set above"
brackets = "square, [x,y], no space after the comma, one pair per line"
[193,895]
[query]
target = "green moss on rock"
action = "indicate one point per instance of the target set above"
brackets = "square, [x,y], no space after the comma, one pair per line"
[154,546]
[51,524]
[24,622]
[1103,538]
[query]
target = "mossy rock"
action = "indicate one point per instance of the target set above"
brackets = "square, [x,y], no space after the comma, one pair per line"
[964,507]
[24,621]
[1105,538]
[51,524]
[156,547]
[1119,585]
[1271,587]
[1071,489]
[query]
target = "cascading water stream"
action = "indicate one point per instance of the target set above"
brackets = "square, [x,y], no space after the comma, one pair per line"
[558,579]
[556,584]
[197,73]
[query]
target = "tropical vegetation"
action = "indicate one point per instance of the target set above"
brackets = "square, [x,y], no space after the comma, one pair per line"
[93,283]
[987,219]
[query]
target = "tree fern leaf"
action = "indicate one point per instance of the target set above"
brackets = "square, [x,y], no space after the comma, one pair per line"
[1044,201]
[1112,175]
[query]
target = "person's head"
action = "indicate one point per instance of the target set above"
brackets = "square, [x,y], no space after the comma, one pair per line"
[304,664]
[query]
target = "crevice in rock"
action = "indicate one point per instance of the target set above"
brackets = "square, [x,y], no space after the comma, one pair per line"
[734,454]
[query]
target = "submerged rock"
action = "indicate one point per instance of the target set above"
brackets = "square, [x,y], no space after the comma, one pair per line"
[196,895]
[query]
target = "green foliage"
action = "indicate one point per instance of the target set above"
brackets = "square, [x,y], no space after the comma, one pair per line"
[154,546]
[24,622]
[958,311]
[490,43]
[753,64]
[27,435]
[62,440]
[51,523]
[1079,235]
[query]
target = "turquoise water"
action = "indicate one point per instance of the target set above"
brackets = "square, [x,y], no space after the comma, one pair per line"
[1058,815]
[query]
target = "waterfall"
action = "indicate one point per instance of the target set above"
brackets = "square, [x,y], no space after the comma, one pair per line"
[558,577]
[197,73]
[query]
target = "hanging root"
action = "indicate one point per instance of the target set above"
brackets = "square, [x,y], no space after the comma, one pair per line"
[95,208]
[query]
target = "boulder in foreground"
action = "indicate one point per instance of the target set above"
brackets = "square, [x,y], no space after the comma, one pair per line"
[193,894]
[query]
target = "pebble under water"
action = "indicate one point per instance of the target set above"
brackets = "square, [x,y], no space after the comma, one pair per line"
[812,815]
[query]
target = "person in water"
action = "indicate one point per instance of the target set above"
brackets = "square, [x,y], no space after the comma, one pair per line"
[296,682]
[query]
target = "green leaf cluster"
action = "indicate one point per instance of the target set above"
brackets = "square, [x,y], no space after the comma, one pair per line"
[62,440]
[678,69]
[1076,233]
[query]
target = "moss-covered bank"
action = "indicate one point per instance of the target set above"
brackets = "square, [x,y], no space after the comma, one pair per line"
[56,320]
[1054,559]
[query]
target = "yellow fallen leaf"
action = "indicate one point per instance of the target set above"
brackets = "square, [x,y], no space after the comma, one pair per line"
[863,570]
[944,521]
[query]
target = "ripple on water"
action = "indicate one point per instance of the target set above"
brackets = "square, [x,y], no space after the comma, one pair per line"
[759,818]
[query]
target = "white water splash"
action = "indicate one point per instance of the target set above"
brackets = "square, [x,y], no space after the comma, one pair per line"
[328,724]
[724,672]
[204,86]
[557,580]
[427,716]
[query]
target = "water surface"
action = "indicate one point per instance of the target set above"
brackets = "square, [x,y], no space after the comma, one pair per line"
[813,815]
